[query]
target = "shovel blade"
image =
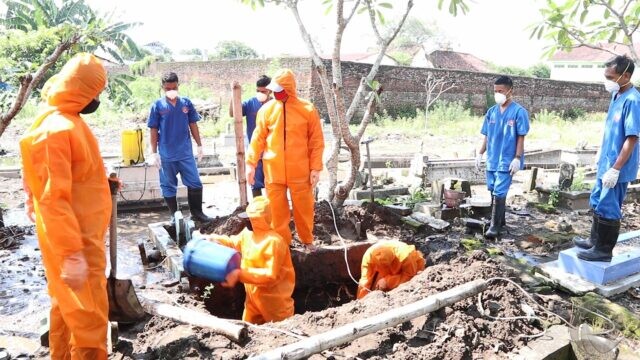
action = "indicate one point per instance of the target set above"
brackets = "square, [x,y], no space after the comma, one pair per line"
[124,306]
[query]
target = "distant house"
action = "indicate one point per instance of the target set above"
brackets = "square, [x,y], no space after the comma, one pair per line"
[449,59]
[584,64]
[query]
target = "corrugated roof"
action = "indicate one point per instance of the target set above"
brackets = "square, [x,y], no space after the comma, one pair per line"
[446,59]
[585,53]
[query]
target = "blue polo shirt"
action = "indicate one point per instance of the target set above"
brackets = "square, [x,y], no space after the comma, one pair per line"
[250,110]
[172,122]
[502,131]
[623,119]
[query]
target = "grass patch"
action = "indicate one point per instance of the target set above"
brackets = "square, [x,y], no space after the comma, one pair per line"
[471,244]
[626,322]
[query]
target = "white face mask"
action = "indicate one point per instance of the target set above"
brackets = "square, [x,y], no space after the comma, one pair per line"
[171,94]
[611,86]
[499,98]
[262,97]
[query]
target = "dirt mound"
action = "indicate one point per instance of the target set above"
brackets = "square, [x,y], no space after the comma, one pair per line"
[456,332]
[225,225]
[355,222]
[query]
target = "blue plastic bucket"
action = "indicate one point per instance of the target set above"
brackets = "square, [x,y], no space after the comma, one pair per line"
[209,260]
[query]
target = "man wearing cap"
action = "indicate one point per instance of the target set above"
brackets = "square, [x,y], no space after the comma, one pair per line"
[289,137]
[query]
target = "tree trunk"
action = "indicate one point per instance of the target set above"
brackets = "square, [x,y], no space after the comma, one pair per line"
[241,169]
[29,81]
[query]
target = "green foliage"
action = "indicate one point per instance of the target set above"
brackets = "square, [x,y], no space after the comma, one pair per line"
[541,71]
[570,23]
[509,70]
[449,111]
[141,66]
[578,183]
[573,114]
[232,50]
[402,58]
[471,244]
[554,198]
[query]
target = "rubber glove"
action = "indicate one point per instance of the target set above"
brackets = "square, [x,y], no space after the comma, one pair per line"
[314,177]
[251,174]
[200,153]
[610,178]
[231,279]
[154,160]
[515,166]
[74,270]
[381,285]
[478,162]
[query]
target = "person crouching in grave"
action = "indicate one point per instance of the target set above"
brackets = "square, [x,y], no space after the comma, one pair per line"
[266,268]
[387,264]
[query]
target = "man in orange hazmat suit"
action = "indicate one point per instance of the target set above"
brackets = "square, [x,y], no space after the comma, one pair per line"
[387,264]
[68,196]
[289,137]
[266,268]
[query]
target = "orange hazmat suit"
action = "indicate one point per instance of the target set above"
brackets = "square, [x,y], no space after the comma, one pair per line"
[66,184]
[387,264]
[289,137]
[266,268]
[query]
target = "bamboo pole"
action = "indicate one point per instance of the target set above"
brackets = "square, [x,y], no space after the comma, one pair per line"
[240,168]
[352,331]
[234,332]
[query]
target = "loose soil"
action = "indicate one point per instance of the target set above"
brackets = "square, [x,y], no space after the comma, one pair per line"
[456,332]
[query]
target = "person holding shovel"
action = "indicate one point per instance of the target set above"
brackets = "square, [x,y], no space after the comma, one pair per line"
[68,197]
[172,120]
[387,264]
[617,163]
[288,137]
[266,268]
[250,110]
[504,128]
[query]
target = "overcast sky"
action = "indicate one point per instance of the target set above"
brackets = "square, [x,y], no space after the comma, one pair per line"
[494,30]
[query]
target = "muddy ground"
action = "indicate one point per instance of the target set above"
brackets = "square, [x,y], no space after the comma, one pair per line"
[453,257]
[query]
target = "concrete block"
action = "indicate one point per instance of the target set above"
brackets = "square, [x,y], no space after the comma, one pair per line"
[598,272]
[160,237]
[227,140]
[543,158]
[427,208]
[399,209]
[583,157]
[358,194]
[530,183]
[430,221]
[576,285]
[572,200]
[453,168]
[447,214]
[351,202]
[555,344]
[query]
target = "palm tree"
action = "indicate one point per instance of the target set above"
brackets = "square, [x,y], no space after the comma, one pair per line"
[80,28]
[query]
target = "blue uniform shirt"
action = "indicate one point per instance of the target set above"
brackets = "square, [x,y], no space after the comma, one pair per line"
[502,131]
[172,122]
[250,110]
[623,119]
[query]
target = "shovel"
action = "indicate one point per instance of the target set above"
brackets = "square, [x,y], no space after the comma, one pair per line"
[124,306]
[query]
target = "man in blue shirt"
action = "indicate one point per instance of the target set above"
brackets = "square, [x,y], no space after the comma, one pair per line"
[504,129]
[172,120]
[617,163]
[250,110]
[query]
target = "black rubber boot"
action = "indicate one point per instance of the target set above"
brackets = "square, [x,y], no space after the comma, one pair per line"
[592,240]
[497,216]
[608,231]
[172,204]
[195,205]
[256,192]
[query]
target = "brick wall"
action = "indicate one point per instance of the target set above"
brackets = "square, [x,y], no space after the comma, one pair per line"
[403,86]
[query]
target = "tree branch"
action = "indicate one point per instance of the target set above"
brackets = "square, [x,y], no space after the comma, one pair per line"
[357,98]
[29,81]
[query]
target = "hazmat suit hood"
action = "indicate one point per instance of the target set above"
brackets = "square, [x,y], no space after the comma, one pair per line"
[386,258]
[287,80]
[259,214]
[81,80]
